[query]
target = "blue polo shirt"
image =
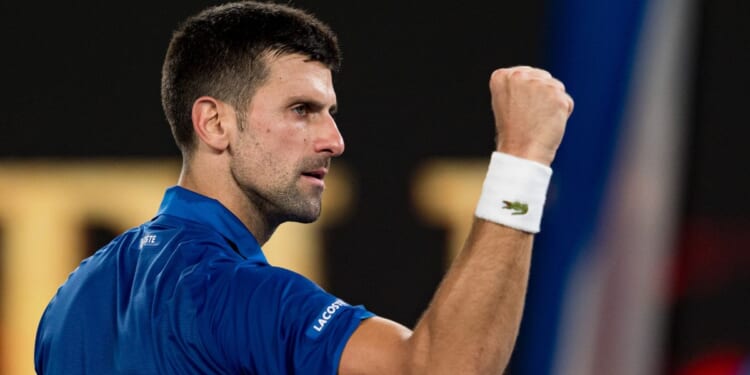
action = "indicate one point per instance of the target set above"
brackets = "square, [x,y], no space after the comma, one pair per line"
[190,292]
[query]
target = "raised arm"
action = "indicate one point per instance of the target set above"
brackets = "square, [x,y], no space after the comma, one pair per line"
[472,323]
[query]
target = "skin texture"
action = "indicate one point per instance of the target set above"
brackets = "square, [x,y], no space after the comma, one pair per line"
[270,170]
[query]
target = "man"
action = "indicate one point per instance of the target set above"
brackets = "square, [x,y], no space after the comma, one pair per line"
[247,90]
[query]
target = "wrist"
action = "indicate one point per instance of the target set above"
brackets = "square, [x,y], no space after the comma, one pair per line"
[514,192]
[536,153]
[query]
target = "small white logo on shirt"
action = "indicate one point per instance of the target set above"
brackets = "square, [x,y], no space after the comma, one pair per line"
[325,316]
[149,239]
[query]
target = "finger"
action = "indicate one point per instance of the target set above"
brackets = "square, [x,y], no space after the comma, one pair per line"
[531,72]
[557,84]
[571,103]
[540,73]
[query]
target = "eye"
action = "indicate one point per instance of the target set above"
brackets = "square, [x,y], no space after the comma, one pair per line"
[301,109]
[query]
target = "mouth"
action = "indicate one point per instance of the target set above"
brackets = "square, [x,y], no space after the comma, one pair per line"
[316,174]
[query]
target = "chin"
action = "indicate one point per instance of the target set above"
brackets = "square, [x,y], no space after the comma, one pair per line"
[304,219]
[305,215]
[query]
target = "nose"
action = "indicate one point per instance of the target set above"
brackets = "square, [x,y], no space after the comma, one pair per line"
[329,139]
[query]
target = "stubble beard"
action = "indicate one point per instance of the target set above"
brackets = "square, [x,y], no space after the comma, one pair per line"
[293,204]
[279,203]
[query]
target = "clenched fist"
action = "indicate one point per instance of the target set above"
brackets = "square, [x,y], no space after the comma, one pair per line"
[531,109]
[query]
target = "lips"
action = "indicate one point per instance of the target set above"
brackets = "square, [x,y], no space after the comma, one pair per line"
[319,173]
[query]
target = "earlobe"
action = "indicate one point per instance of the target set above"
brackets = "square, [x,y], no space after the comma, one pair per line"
[207,122]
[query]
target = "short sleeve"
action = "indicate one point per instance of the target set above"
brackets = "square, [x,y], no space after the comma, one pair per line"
[293,325]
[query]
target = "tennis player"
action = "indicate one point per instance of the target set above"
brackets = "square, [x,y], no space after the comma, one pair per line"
[247,89]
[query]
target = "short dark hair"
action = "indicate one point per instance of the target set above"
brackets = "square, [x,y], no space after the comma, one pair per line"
[221,52]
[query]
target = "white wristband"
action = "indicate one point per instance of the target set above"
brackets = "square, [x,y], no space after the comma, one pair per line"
[514,192]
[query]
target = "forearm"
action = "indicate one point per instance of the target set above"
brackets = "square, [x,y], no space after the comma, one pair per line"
[472,322]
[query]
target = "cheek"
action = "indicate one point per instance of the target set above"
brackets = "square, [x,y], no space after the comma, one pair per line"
[277,143]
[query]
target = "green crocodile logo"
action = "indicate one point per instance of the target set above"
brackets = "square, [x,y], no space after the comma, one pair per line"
[517,207]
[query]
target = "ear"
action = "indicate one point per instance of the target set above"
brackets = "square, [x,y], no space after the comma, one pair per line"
[210,122]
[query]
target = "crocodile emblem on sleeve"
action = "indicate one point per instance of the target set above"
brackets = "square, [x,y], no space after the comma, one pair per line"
[517,207]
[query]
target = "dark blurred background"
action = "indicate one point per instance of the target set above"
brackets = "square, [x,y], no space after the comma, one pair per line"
[80,81]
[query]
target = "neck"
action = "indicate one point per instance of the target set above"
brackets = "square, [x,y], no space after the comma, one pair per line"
[209,180]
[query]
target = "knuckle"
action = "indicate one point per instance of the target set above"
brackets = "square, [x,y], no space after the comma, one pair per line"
[571,104]
[501,78]
[503,72]
[518,73]
[542,73]
[498,73]
[564,103]
[557,83]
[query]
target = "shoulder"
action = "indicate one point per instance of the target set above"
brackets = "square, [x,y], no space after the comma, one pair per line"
[282,318]
[276,282]
[282,293]
[108,252]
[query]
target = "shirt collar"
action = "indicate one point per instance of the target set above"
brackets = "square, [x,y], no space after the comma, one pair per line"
[188,205]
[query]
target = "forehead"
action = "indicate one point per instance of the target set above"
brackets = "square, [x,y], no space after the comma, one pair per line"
[294,75]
